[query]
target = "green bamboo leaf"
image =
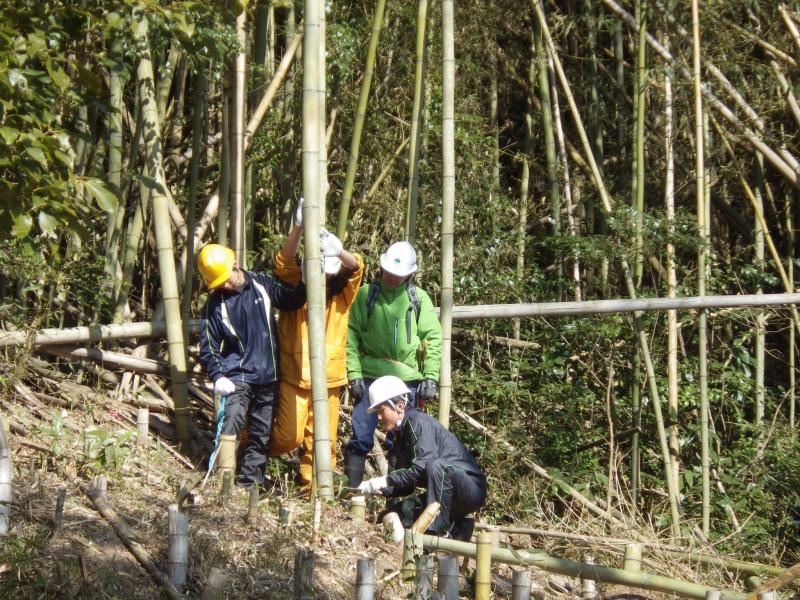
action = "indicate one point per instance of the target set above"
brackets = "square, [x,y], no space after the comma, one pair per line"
[36,154]
[184,23]
[105,198]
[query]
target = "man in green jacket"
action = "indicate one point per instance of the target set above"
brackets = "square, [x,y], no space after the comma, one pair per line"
[393,330]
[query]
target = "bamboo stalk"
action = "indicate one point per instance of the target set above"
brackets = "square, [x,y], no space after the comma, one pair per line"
[483,565]
[358,125]
[304,562]
[641,333]
[166,263]
[448,207]
[178,547]
[790,25]
[572,568]
[416,120]
[312,212]
[365,578]
[6,477]
[237,240]
[779,161]
[106,357]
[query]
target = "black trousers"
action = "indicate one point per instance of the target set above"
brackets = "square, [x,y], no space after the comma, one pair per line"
[258,403]
[458,493]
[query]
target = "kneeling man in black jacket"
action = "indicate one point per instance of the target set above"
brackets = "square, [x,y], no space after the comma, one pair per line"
[424,454]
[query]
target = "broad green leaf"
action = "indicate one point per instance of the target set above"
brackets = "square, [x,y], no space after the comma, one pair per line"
[22,225]
[104,197]
[47,223]
[36,154]
[17,79]
[9,134]
[58,75]
[184,23]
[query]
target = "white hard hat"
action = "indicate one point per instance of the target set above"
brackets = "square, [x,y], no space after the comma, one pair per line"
[400,259]
[383,389]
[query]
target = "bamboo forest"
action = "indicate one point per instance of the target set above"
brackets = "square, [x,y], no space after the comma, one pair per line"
[591,204]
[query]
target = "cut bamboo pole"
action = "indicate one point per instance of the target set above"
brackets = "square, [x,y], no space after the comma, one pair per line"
[572,568]
[92,333]
[252,505]
[448,207]
[237,214]
[483,566]
[447,584]
[412,548]
[313,208]
[365,578]
[58,517]
[358,508]
[633,558]
[304,574]
[6,477]
[423,579]
[100,484]
[776,583]
[143,427]
[114,359]
[178,547]
[588,586]
[215,584]
[521,584]
[426,517]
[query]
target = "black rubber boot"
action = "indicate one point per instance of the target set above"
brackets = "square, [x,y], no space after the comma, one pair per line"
[354,469]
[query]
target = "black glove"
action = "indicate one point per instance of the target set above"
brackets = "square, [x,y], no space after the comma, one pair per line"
[358,390]
[427,389]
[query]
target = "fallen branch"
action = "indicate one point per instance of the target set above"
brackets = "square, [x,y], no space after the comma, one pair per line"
[115,359]
[776,583]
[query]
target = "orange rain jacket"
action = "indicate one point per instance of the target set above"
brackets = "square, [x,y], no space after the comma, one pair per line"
[293,326]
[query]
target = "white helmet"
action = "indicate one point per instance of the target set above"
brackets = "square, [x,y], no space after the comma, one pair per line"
[384,389]
[400,259]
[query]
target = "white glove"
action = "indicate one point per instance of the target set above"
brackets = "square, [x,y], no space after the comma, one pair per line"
[330,245]
[298,213]
[372,487]
[224,386]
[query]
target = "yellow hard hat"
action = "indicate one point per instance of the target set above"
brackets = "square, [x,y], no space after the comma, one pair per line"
[216,264]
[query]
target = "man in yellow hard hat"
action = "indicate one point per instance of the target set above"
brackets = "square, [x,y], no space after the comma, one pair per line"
[294,423]
[239,350]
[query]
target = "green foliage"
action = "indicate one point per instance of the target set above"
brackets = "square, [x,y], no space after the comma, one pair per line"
[105,451]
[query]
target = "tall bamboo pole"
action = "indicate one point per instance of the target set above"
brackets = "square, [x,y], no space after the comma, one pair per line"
[761,318]
[448,205]
[237,204]
[547,124]
[115,218]
[224,195]
[198,130]
[792,325]
[416,122]
[494,125]
[288,108]
[313,194]
[322,159]
[166,262]
[639,108]
[700,191]
[607,207]
[672,277]
[358,125]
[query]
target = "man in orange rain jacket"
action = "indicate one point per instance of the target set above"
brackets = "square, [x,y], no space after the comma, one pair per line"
[294,423]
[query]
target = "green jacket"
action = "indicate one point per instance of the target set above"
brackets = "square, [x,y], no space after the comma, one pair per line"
[378,344]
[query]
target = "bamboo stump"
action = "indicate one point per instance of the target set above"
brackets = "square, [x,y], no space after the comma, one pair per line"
[358,508]
[365,578]
[5,479]
[58,517]
[713,595]
[423,579]
[633,558]
[143,427]
[252,508]
[447,586]
[588,586]
[100,484]
[304,574]
[178,550]
[412,548]
[483,566]
[521,585]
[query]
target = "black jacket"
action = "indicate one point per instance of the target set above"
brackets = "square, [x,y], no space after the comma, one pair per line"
[420,440]
[238,333]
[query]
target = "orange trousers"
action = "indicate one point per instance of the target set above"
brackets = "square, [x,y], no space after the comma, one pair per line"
[294,425]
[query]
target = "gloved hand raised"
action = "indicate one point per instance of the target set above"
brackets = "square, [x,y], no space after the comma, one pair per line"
[298,213]
[330,245]
[427,389]
[358,390]
[224,386]
[372,486]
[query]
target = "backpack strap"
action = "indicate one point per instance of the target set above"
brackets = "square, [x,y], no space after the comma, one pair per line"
[372,296]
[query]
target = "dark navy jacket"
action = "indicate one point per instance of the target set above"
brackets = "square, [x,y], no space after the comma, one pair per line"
[238,332]
[420,440]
